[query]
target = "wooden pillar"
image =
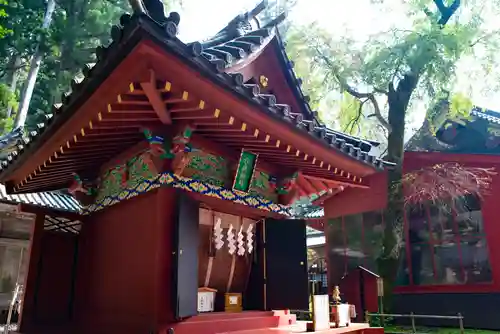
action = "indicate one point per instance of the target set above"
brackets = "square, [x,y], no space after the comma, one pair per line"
[28,312]
[165,216]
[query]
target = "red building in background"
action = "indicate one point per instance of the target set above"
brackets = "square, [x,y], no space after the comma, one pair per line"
[450,258]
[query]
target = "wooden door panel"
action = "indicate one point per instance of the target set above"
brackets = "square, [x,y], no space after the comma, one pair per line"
[254,292]
[186,239]
[286,268]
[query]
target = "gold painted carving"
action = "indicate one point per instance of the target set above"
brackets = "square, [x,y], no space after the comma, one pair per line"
[264,81]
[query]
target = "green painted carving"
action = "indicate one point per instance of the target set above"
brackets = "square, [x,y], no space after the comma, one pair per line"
[287,184]
[262,185]
[206,167]
[127,175]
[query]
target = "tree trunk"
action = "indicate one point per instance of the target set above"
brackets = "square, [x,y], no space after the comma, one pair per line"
[13,76]
[35,64]
[398,100]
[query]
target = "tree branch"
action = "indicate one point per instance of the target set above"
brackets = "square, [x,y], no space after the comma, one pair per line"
[353,122]
[482,38]
[378,114]
[353,92]
[446,12]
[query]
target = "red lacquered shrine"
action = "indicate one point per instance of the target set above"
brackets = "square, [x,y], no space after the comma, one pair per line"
[449,260]
[185,158]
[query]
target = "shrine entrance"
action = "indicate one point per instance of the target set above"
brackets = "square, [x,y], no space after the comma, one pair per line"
[234,260]
[225,254]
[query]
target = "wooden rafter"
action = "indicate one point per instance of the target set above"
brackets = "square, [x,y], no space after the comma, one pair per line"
[159,101]
[155,99]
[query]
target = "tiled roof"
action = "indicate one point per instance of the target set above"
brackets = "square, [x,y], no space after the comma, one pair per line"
[425,140]
[238,40]
[487,114]
[50,200]
[138,26]
[296,83]
[314,214]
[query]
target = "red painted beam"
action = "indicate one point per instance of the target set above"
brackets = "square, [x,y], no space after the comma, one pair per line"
[155,99]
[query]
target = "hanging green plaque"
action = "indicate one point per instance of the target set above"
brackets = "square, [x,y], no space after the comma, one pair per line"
[245,170]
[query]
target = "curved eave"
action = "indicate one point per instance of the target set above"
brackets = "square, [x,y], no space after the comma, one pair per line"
[256,42]
[139,36]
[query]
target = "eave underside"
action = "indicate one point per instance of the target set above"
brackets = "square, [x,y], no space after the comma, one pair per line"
[112,121]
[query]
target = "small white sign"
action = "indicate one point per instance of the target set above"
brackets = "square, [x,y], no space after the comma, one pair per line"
[233,300]
[344,315]
[380,287]
[321,312]
[206,301]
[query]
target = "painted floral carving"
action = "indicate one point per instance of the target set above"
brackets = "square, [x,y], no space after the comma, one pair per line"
[207,168]
[264,185]
[287,184]
[127,175]
[79,185]
[164,148]
[158,147]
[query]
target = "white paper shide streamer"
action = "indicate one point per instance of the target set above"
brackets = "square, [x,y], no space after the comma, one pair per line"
[241,242]
[250,239]
[219,242]
[231,242]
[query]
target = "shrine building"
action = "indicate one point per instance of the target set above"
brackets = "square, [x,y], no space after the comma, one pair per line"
[448,262]
[185,159]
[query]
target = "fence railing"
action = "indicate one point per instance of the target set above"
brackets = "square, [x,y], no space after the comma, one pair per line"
[413,317]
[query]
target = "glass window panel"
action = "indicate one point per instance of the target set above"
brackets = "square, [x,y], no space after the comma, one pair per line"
[456,250]
[448,264]
[353,225]
[418,224]
[10,268]
[469,217]
[374,231]
[421,262]
[403,276]
[442,222]
[336,250]
[475,261]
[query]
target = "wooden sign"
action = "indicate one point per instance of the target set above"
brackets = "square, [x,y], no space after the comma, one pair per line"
[233,302]
[245,171]
[321,313]
[380,287]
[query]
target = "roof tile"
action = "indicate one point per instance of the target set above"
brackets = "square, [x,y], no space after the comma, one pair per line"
[215,60]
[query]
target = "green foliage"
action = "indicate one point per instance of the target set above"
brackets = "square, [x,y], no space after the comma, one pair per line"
[78,27]
[390,74]
[331,61]
[460,106]
[3,14]
[7,98]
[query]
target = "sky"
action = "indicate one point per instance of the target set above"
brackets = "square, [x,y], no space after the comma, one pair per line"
[357,18]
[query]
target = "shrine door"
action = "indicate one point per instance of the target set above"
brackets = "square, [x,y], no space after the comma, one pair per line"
[186,256]
[278,279]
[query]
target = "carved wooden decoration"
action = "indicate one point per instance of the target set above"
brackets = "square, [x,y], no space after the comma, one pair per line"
[84,191]
[264,81]
[287,189]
